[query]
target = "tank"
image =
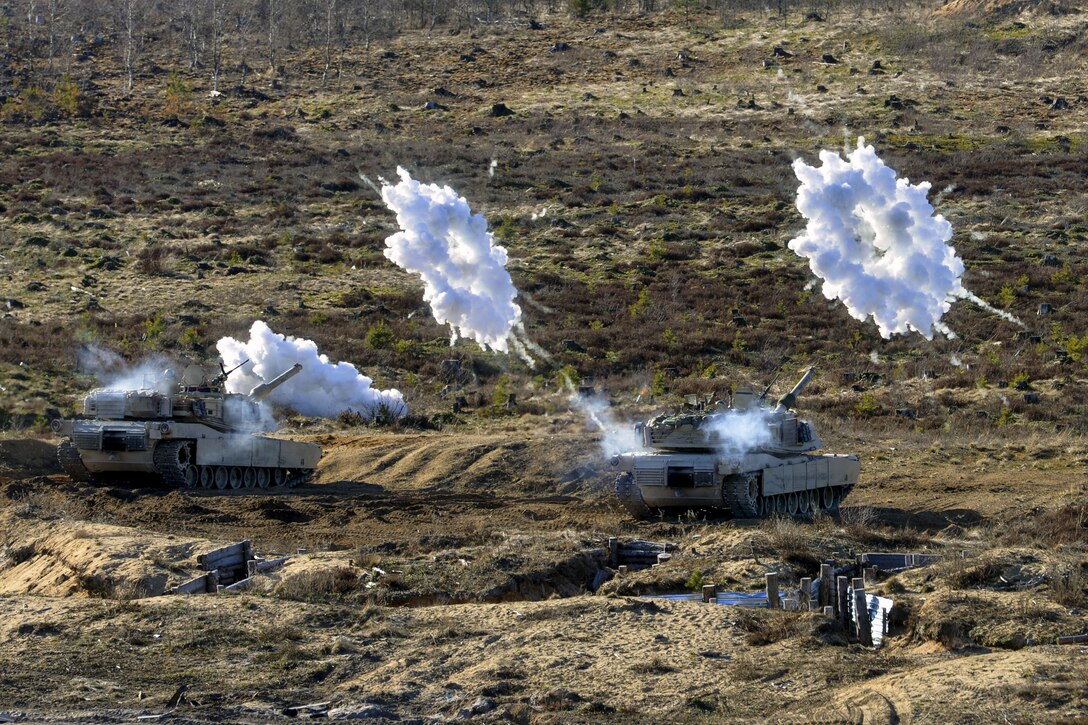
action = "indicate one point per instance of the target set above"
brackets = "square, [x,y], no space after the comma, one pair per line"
[747,457]
[189,433]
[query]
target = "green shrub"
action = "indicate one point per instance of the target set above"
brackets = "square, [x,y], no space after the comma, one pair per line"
[380,336]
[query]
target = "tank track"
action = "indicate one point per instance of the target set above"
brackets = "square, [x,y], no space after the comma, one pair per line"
[166,463]
[299,478]
[630,497]
[741,494]
[72,464]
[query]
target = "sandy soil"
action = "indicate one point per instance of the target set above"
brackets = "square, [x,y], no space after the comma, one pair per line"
[485,544]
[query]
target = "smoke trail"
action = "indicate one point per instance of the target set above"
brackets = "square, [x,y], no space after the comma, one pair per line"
[877,245]
[615,437]
[321,389]
[463,271]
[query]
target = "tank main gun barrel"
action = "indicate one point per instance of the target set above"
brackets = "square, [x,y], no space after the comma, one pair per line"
[790,398]
[263,390]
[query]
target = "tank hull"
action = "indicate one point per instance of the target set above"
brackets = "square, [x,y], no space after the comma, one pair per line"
[755,485]
[183,455]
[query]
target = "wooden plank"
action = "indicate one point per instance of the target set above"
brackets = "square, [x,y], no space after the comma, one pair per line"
[826,578]
[193,586]
[261,566]
[842,605]
[804,597]
[772,589]
[613,552]
[1073,639]
[864,627]
[240,586]
[227,564]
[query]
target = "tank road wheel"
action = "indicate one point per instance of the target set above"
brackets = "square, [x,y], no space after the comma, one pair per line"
[780,504]
[804,505]
[630,496]
[828,501]
[249,477]
[742,494]
[235,474]
[792,505]
[207,477]
[264,477]
[72,464]
[221,477]
[175,461]
[279,477]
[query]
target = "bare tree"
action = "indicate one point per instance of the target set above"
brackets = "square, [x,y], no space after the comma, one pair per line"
[128,17]
[193,20]
[217,18]
[273,18]
[54,14]
[333,28]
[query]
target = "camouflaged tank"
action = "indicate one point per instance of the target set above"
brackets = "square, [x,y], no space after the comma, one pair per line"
[189,433]
[748,458]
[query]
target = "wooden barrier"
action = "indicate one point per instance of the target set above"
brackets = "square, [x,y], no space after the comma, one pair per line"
[826,579]
[842,603]
[772,589]
[864,627]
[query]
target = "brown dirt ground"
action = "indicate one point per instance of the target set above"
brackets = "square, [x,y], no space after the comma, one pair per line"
[505,527]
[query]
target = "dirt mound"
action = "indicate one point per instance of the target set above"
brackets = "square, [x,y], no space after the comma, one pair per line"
[1008,620]
[1003,8]
[23,457]
[63,559]
[468,461]
[974,688]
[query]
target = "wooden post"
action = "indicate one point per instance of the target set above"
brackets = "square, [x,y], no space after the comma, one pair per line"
[870,574]
[826,580]
[613,552]
[709,592]
[772,589]
[829,612]
[804,597]
[861,613]
[841,585]
[622,569]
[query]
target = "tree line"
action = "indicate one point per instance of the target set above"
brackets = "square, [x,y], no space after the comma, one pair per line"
[49,41]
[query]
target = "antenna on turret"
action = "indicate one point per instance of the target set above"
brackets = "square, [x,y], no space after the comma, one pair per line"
[226,373]
[763,395]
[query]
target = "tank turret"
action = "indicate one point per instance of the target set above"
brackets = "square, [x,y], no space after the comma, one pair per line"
[188,432]
[747,457]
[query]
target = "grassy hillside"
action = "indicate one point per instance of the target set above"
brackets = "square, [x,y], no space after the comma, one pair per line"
[643,188]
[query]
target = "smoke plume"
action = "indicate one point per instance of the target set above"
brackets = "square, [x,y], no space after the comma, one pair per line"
[322,388]
[877,244]
[115,373]
[463,271]
[616,437]
[737,432]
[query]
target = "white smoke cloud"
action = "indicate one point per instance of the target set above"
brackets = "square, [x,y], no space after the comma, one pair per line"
[876,243]
[736,432]
[616,437]
[113,372]
[492,166]
[463,271]
[322,388]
